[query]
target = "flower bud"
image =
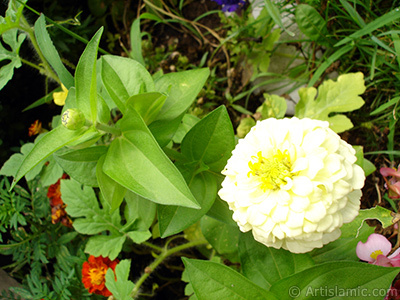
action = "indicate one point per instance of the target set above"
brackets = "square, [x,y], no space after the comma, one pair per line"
[73,119]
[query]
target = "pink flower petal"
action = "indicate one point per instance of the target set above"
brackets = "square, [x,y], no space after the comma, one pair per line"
[375,242]
[383,261]
[389,172]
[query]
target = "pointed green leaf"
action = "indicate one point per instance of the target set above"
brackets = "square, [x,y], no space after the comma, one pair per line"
[223,237]
[333,97]
[310,22]
[182,89]
[50,52]
[148,105]
[136,42]
[81,164]
[136,161]
[118,283]
[266,265]
[213,281]
[221,212]
[112,191]
[50,143]
[211,140]
[124,77]
[139,210]
[337,280]
[85,79]
[174,219]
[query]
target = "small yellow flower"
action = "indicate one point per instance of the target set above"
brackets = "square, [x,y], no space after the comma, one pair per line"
[59,97]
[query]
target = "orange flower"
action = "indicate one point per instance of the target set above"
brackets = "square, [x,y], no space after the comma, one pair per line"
[58,213]
[35,128]
[94,274]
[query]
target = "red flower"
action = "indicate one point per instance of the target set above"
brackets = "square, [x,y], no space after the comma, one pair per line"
[35,128]
[94,274]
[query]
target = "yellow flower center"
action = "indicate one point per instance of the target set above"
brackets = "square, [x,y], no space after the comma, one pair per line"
[97,275]
[272,171]
[375,254]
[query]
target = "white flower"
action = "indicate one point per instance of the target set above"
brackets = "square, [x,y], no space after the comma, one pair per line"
[293,183]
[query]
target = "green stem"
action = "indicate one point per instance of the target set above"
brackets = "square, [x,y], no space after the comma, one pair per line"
[62,28]
[27,62]
[108,129]
[164,254]
[24,25]
[154,247]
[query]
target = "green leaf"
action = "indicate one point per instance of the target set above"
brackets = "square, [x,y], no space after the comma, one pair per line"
[14,41]
[266,265]
[136,42]
[50,143]
[140,211]
[339,96]
[135,161]
[90,219]
[12,165]
[364,163]
[124,77]
[213,281]
[13,15]
[148,105]
[223,237]
[211,140]
[344,247]
[221,212]
[375,24]
[85,79]
[119,284]
[187,123]
[379,213]
[50,52]
[105,245]
[274,106]
[182,89]
[310,22]
[112,191]
[336,280]
[51,172]
[81,164]
[274,12]
[174,219]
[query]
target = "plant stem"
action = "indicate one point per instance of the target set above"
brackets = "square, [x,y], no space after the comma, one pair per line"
[108,129]
[24,25]
[164,254]
[154,247]
[27,62]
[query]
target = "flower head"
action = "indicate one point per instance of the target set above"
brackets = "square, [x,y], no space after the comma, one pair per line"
[60,97]
[73,119]
[230,5]
[293,182]
[35,128]
[93,274]
[392,183]
[58,213]
[375,251]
